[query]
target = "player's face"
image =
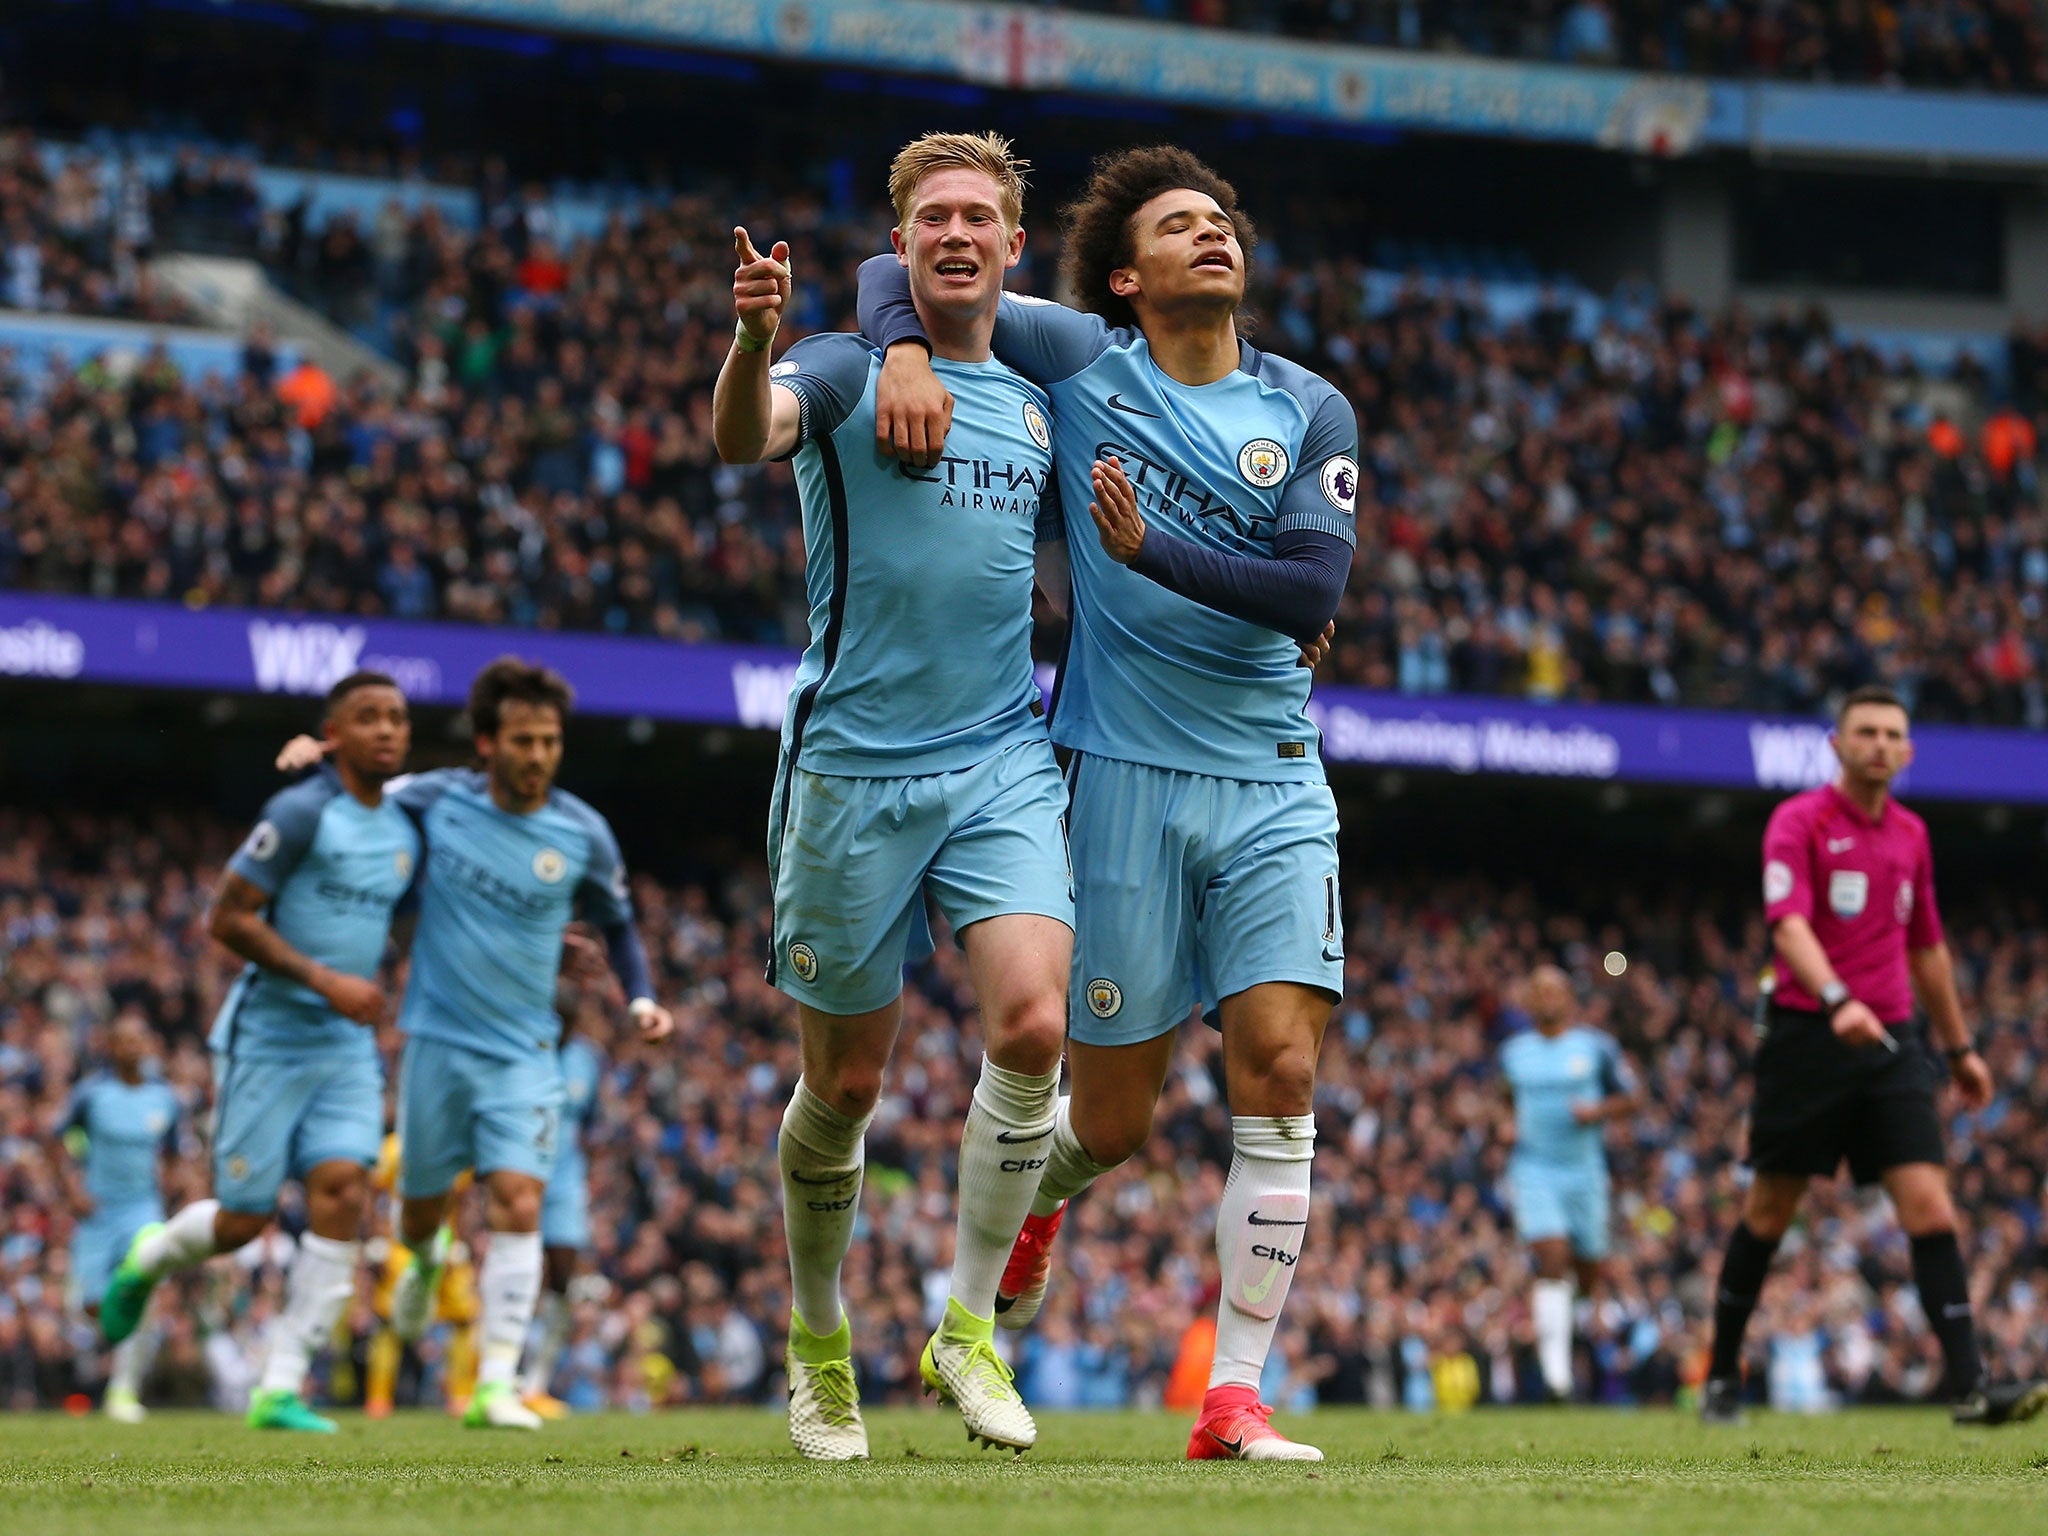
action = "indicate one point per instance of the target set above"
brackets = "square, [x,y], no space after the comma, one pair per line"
[525,755]
[1550,997]
[372,732]
[1874,744]
[128,1043]
[1185,255]
[956,242]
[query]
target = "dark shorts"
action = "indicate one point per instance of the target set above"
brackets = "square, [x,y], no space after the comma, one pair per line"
[1819,1101]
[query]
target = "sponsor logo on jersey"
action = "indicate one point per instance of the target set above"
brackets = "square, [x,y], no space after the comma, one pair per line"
[1035,424]
[1340,483]
[804,961]
[1848,892]
[549,866]
[1105,997]
[1777,880]
[1262,462]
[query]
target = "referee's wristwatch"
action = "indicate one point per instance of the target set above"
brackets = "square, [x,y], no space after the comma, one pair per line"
[1956,1053]
[1833,995]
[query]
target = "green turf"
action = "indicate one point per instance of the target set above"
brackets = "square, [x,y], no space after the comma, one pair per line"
[712,1472]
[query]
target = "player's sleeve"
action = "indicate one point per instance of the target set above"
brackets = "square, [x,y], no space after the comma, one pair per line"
[415,793]
[278,841]
[608,902]
[1788,864]
[1616,1076]
[1045,342]
[1923,928]
[1051,525]
[1295,591]
[827,374]
[1321,496]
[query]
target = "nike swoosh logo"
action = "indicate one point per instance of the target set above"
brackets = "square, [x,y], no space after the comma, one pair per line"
[1116,403]
[1254,1295]
[1235,1447]
[1337,958]
[839,1178]
[1267,1221]
[1011,1141]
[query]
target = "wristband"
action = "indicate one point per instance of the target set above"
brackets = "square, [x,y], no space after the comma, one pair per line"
[1834,995]
[1956,1053]
[744,340]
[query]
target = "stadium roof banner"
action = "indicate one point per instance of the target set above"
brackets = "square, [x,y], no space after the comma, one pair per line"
[1029,48]
[88,640]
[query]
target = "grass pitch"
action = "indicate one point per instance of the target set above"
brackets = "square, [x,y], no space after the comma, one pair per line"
[708,1473]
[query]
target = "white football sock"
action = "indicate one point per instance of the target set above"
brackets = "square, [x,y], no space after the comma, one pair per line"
[547,1349]
[1003,1151]
[322,1280]
[1552,1309]
[1260,1225]
[129,1362]
[509,1285]
[186,1239]
[1068,1167]
[822,1156]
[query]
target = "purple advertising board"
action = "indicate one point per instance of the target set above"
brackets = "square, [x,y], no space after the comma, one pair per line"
[160,645]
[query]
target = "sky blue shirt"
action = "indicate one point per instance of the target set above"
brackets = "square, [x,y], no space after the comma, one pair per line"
[1548,1076]
[498,892]
[1150,676]
[335,871]
[919,580]
[128,1127]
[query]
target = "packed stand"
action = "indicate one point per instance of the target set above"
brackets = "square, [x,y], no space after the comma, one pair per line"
[1726,511]
[1415,1293]
[1977,44]
[77,240]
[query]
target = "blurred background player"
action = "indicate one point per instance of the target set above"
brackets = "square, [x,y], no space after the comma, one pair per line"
[393,1369]
[512,858]
[1221,484]
[915,763]
[1568,1080]
[564,1219]
[118,1126]
[1844,1072]
[308,901]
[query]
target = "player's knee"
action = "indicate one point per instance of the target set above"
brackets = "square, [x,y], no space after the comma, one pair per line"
[1110,1140]
[1928,1214]
[1028,1036]
[1281,1084]
[516,1207]
[853,1089]
[235,1229]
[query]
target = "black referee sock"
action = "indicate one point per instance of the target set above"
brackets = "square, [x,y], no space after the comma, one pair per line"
[1742,1280]
[1944,1287]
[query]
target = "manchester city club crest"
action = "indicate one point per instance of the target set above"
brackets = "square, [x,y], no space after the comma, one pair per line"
[1262,462]
[549,866]
[804,961]
[1105,997]
[1035,424]
[402,862]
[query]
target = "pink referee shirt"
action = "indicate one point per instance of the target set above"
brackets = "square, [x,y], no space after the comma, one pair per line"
[1867,887]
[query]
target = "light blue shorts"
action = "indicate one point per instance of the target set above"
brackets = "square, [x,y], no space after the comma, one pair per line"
[100,1244]
[1552,1202]
[853,860]
[276,1119]
[1192,889]
[459,1108]
[565,1207]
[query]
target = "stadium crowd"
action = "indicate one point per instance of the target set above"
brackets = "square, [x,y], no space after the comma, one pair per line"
[1982,44]
[1724,510]
[1416,1293]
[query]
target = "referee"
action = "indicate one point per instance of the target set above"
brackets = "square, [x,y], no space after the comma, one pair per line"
[1841,1072]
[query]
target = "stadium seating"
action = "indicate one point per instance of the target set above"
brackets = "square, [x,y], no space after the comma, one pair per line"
[1414,1262]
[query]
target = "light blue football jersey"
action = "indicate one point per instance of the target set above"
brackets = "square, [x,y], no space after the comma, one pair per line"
[127,1127]
[919,580]
[335,871]
[498,892]
[1150,676]
[1548,1076]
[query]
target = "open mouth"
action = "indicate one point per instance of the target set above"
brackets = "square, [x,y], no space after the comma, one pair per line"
[958,267]
[1216,259]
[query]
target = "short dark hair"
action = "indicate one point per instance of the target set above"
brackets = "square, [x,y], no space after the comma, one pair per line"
[1869,693]
[352,682]
[1099,236]
[510,680]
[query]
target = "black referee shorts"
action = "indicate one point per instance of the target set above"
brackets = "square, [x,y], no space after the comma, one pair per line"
[1819,1101]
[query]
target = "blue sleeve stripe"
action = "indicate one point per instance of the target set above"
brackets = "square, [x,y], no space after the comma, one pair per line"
[1313,521]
